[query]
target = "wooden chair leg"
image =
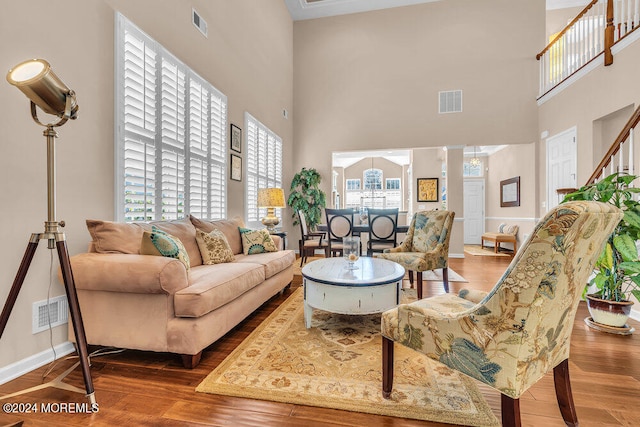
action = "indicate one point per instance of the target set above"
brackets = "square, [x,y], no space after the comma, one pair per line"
[419,284]
[387,367]
[445,279]
[411,277]
[190,361]
[563,393]
[510,411]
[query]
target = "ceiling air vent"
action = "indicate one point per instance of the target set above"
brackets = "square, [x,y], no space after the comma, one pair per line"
[450,101]
[200,23]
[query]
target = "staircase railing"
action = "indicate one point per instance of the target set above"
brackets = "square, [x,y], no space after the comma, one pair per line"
[600,25]
[620,157]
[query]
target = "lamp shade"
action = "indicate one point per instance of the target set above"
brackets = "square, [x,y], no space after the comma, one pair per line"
[271,198]
[41,85]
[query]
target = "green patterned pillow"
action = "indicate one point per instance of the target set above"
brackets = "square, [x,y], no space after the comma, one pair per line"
[256,241]
[157,242]
[214,247]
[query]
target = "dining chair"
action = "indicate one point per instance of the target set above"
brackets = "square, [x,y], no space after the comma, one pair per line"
[339,225]
[510,337]
[382,230]
[310,241]
[426,246]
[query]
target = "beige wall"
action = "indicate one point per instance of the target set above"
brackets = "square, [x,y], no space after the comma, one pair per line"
[248,56]
[505,164]
[371,80]
[558,19]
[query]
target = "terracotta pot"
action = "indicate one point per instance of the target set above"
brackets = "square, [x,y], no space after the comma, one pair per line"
[611,313]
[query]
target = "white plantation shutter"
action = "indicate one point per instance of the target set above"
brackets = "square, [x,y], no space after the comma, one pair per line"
[171,137]
[264,165]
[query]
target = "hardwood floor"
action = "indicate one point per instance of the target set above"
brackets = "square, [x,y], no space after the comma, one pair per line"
[148,389]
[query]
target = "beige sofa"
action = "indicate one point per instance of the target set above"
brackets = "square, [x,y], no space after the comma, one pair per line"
[153,303]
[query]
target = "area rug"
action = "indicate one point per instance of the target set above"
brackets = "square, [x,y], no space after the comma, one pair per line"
[477,250]
[337,364]
[427,275]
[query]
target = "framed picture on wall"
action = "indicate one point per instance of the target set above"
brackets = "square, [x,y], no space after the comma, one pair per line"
[236,138]
[510,192]
[427,189]
[236,168]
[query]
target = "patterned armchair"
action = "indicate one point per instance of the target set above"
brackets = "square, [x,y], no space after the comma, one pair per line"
[512,336]
[426,246]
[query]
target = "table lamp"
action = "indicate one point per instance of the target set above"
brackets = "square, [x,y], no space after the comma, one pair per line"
[271,198]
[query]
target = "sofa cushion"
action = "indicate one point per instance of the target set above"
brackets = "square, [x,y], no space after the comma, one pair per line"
[256,241]
[214,247]
[184,230]
[116,237]
[229,228]
[273,262]
[157,242]
[212,286]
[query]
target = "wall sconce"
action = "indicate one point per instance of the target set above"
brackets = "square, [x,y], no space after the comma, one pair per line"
[271,198]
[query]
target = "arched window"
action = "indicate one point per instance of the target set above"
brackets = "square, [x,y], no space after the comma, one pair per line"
[372,179]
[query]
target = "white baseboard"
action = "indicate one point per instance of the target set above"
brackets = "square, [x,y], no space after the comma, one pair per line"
[456,255]
[635,314]
[21,367]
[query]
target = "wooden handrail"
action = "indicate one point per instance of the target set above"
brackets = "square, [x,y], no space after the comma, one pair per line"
[615,147]
[568,27]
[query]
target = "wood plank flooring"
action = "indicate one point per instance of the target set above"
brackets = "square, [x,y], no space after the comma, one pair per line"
[136,388]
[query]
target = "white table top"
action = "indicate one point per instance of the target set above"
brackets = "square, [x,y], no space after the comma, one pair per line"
[370,272]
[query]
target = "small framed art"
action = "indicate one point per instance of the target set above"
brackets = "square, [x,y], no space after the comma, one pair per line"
[236,138]
[236,168]
[510,192]
[427,189]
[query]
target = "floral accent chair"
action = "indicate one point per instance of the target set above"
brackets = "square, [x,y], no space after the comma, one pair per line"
[426,246]
[512,336]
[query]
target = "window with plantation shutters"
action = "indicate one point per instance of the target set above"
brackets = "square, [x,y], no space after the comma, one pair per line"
[264,165]
[171,134]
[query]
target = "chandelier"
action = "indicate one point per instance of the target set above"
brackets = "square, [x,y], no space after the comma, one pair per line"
[475,161]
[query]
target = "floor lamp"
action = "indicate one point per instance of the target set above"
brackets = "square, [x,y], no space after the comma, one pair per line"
[37,81]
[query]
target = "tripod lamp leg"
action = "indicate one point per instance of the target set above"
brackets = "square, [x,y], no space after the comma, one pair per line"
[76,316]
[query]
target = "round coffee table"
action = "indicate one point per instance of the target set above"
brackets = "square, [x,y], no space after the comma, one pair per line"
[372,288]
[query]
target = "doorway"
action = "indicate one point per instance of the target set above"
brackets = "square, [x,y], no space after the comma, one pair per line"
[473,196]
[561,164]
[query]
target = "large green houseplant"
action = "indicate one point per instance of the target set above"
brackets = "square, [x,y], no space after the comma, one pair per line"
[307,197]
[617,271]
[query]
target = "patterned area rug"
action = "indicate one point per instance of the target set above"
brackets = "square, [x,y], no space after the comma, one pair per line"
[478,250]
[337,364]
[427,275]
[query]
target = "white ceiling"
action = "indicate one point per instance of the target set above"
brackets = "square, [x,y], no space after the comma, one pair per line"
[311,9]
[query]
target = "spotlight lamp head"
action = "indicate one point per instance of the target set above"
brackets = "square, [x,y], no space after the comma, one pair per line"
[43,87]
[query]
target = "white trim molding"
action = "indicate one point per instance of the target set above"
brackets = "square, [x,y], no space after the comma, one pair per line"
[28,364]
[512,219]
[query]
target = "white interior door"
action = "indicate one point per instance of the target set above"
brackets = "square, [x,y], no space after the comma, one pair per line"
[561,164]
[473,191]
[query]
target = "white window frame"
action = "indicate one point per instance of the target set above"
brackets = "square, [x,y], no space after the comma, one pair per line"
[350,187]
[187,127]
[263,166]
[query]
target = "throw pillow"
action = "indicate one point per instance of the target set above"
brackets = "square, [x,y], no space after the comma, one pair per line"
[157,242]
[501,227]
[214,247]
[256,241]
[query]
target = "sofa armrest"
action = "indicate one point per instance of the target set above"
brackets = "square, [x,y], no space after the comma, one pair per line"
[141,274]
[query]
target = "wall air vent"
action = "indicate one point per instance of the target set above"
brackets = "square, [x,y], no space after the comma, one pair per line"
[55,313]
[199,23]
[450,101]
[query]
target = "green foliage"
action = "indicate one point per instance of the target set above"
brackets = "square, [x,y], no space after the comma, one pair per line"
[618,267]
[306,196]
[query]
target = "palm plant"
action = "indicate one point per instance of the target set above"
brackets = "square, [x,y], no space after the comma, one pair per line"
[617,272]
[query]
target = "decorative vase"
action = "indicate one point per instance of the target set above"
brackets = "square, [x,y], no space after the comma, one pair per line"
[610,313]
[351,251]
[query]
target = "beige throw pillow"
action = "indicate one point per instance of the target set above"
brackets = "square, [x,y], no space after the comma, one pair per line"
[157,242]
[214,247]
[256,241]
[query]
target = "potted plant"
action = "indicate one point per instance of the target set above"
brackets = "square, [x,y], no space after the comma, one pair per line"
[617,271]
[307,197]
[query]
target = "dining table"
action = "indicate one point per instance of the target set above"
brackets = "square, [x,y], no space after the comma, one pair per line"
[358,229]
